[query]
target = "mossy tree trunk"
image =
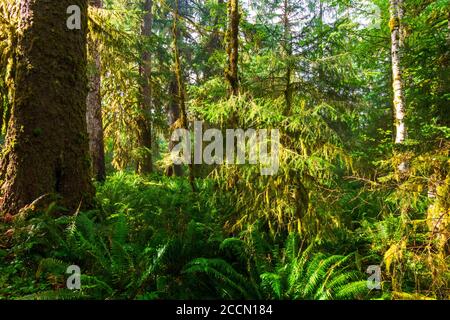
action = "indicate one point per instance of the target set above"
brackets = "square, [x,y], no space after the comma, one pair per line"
[144,123]
[47,148]
[232,39]
[182,121]
[287,48]
[173,111]
[94,108]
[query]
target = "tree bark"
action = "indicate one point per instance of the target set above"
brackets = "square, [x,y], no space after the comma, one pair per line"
[397,38]
[94,108]
[183,119]
[288,56]
[47,147]
[144,123]
[174,115]
[231,73]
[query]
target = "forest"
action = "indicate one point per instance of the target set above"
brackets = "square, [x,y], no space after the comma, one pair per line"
[225,149]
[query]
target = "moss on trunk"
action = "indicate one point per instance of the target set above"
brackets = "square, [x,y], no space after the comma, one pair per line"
[47,144]
[144,123]
[232,39]
[94,108]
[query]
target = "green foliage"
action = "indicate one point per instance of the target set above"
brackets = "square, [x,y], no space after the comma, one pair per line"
[8,39]
[313,275]
[337,204]
[290,274]
[130,250]
[311,158]
[123,253]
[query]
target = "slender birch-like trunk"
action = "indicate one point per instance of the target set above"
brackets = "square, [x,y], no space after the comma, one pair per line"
[397,38]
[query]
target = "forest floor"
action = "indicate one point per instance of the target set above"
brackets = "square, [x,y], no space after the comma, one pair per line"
[153,238]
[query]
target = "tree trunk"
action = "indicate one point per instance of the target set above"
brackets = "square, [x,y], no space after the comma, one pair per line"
[144,123]
[174,115]
[94,108]
[231,73]
[396,12]
[288,56]
[47,147]
[183,119]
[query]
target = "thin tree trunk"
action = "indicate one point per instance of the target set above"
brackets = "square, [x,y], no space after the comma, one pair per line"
[232,38]
[144,164]
[174,115]
[288,56]
[47,148]
[94,108]
[397,38]
[183,120]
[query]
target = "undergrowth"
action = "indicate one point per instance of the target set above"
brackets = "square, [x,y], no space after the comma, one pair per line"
[153,238]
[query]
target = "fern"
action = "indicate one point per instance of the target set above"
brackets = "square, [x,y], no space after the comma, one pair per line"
[228,278]
[309,275]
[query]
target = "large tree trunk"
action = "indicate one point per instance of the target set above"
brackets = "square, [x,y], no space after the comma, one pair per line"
[231,72]
[396,12]
[47,148]
[94,109]
[144,164]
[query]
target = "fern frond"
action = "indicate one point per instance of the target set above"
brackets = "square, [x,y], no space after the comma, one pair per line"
[222,271]
[352,290]
[272,281]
